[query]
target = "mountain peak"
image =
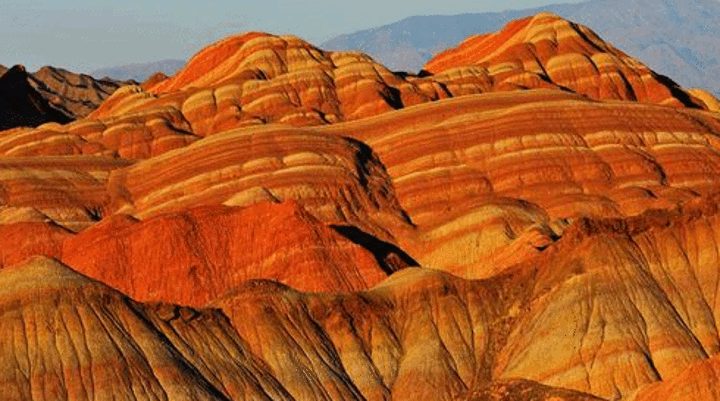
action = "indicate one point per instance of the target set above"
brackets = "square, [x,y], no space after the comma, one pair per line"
[226,58]
[17,70]
[549,48]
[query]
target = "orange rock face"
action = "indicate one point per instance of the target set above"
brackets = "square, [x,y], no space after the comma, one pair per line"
[154,80]
[210,251]
[69,191]
[20,241]
[267,208]
[524,390]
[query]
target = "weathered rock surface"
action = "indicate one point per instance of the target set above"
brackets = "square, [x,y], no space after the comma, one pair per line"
[66,336]
[71,337]
[257,78]
[22,240]
[700,381]
[210,251]
[601,312]
[153,80]
[338,179]
[520,389]
[675,38]
[69,191]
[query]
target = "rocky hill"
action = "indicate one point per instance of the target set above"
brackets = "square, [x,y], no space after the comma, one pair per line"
[676,38]
[49,95]
[533,217]
[22,105]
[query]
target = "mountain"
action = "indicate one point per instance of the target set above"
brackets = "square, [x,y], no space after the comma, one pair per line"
[139,71]
[675,38]
[78,94]
[49,95]
[22,105]
[3,69]
[533,217]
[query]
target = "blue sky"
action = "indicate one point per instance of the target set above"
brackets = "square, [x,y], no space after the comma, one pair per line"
[83,35]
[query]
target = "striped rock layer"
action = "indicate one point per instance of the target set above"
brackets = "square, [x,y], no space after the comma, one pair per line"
[547,48]
[266,210]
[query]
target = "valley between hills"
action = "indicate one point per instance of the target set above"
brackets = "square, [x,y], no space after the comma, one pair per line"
[535,215]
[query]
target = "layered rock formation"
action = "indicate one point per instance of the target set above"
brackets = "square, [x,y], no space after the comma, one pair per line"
[87,341]
[545,47]
[49,95]
[271,204]
[78,94]
[70,191]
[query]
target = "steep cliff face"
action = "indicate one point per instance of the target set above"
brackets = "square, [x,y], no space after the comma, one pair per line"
[285,196]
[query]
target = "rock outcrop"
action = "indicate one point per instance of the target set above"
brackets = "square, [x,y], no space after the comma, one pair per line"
[22,105]
[77,94]
[49,95]
[257,78]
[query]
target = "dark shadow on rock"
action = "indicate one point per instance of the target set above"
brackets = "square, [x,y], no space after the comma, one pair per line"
[677,92]
[389,257]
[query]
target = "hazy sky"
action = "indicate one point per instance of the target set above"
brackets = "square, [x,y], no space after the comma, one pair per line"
[83,35]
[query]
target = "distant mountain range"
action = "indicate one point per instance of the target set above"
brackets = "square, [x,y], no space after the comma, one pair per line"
[677,38]
[139,71]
